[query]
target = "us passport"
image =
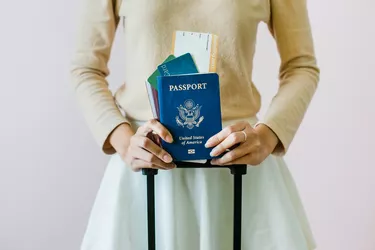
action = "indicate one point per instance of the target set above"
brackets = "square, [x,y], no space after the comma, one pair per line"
[189,107]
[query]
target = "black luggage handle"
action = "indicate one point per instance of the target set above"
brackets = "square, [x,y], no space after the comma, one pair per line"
[236,170]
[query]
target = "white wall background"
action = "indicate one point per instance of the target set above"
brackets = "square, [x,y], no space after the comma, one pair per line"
[50,168]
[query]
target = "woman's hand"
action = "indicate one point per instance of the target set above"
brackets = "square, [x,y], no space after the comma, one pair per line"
[254,144]
[141,150]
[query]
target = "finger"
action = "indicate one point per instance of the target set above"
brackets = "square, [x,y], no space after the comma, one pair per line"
[253,159]
[232,155]
[219,137]
[156,127]
[252,156]
[228,143]
[142,151]
[155,138]
[139,164]
[147,144]
[151,160]
[242,160]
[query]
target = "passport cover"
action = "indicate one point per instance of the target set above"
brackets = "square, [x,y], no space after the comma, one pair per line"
[151,87]
[190,109]
[152,79]
[183,64]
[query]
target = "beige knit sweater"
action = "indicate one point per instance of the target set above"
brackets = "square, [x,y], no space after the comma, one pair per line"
[148,28]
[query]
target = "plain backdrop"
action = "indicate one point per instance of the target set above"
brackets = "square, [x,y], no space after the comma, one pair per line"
[50,167]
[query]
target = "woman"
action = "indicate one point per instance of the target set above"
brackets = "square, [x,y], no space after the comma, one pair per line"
[193,206]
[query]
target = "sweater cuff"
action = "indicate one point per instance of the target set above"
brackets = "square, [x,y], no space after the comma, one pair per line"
[105,132]
[283,144]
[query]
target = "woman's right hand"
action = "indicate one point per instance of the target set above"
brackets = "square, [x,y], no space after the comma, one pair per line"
[142,149]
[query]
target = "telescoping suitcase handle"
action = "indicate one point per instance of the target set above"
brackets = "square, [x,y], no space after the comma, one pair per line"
[236,170]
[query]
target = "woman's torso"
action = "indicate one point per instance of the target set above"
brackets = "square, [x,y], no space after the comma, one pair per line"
[148,28]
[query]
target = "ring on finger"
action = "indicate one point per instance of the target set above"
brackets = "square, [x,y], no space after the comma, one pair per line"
[245,139]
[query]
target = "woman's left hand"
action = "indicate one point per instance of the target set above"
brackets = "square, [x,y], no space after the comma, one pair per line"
[254,144]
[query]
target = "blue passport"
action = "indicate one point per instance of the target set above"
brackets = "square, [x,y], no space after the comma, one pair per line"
[190,109]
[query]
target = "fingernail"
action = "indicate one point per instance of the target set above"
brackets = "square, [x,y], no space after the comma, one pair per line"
[167,158]
[213,161]
[213,152]
[171,166]
[207,144]
[169,138]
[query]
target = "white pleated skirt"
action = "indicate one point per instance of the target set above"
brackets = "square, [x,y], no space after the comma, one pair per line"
[194,209]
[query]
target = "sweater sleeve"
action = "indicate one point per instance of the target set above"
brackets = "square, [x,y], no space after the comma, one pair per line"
[89,69]
[299,73]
